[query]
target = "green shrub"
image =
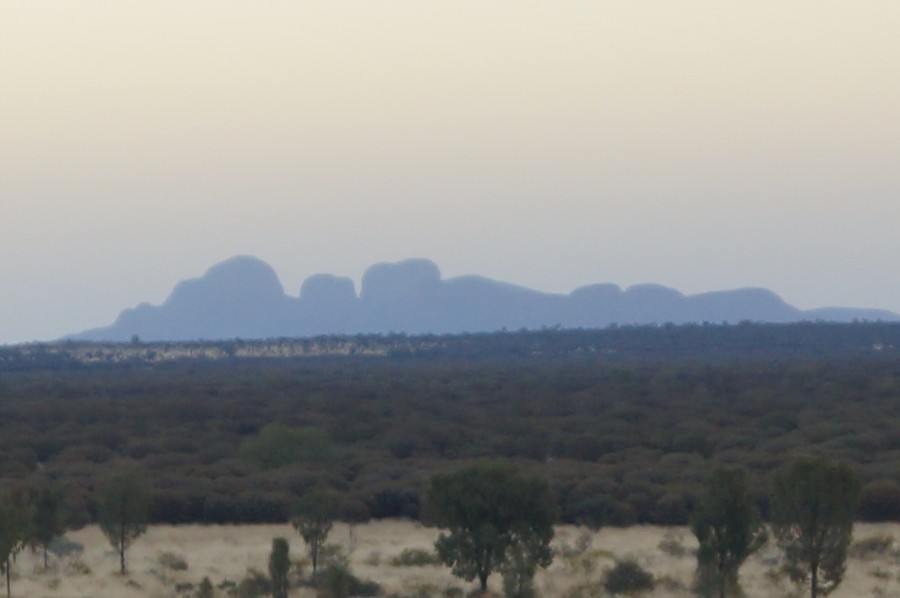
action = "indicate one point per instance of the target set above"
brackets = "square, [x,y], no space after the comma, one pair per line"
[874,546]
[673,546]
[627,577]
[336,581]
[63,547]
[170,560]
[415,557]
[254,585]
[78,567]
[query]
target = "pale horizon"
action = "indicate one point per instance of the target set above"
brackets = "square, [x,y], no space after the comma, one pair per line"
[698,145]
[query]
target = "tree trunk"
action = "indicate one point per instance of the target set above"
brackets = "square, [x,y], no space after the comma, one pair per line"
[122,548]
[722,582]
[45,557]
[8,584]
[814,581]
[484,571]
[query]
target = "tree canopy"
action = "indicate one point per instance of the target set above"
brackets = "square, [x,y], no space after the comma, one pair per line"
[490,510]
[814,504]
[47,520]
[124,506]
[728,530]
[14,532]
[313,515]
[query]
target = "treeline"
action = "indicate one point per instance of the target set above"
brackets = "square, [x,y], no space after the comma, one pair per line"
[622,435]
[707,342]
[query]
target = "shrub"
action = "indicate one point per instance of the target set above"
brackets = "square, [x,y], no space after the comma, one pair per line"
[172,561]
[78,567]
[62,547]
[336,581]
[874,546]
[255,584]
[415,557]
[673,545]
[627,577]
[333,554]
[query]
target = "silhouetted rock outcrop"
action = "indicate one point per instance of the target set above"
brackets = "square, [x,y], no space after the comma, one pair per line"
[243,298]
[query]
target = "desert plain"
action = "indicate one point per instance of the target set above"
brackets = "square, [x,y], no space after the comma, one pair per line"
[225,554]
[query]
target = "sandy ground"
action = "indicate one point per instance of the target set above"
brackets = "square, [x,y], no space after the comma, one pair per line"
[227,552]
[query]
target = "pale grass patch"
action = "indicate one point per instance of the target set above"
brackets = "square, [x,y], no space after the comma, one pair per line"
[227,552]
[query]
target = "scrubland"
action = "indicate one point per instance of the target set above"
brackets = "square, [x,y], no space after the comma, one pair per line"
[170,561]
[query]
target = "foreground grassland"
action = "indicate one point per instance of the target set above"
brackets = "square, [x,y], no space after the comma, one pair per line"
[226,553]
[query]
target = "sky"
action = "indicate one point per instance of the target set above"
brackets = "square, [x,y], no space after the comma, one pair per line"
[703,145]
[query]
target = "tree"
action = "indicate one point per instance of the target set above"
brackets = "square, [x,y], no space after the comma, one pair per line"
[279,566]
[628,577]
[314,514]
[205,589]
[47,521]
[518,573]
[814,504]
[491,513]
[728,530]
[124,508]
[13,535]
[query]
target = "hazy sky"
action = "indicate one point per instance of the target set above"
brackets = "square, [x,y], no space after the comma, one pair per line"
[701,145]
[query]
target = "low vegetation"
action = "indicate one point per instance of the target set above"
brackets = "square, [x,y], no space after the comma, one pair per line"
[593,428]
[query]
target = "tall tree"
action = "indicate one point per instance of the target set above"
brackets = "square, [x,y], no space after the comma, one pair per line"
[124,508]
[313,515]
[13,535]
[47,520]
[279,567]
[814,504]
[490,510]
[728,530]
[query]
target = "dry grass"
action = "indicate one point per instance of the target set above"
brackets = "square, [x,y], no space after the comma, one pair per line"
[227,552]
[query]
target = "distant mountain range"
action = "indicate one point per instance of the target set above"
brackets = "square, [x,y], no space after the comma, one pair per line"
[243,298]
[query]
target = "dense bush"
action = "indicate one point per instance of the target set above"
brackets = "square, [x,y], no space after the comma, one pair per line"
[336,581]
[623,423]
[627,577]
[394,503]
[880,501]
[415,557]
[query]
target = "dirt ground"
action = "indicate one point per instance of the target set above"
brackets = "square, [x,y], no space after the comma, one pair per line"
[228,552]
